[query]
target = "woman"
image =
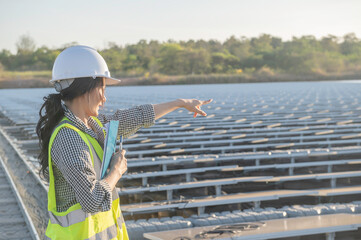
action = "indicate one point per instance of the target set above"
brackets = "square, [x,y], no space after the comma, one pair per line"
[70,130]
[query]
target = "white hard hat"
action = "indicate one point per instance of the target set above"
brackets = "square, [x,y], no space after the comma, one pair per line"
[77,62]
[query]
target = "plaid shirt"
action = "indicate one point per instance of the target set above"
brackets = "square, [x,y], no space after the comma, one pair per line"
[75,178]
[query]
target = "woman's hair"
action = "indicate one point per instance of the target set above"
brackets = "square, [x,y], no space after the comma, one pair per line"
[51,112]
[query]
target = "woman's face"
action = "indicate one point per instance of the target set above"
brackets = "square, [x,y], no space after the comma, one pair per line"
[96,99]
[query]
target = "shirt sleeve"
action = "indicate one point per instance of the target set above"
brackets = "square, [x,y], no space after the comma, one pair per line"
[132,119]
[71,156]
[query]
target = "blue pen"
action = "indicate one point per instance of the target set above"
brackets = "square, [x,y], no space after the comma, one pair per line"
[121,143]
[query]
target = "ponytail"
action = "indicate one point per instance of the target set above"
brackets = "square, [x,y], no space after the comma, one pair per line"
[48,120]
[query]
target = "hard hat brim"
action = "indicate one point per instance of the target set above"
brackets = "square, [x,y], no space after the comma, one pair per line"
[111,81]
[108,80]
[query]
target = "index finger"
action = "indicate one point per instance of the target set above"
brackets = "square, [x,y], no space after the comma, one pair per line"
[207,101]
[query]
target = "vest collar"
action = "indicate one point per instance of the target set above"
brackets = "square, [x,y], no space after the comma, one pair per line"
[79,123]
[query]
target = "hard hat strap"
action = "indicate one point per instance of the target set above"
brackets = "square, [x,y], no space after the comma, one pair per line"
[62,84]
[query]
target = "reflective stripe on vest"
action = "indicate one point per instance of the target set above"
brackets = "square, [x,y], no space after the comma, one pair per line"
[69,219]
[109,233]
[75,223]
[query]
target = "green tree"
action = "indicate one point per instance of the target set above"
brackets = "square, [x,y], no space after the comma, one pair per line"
[261,45]
[25,45]
[43,58]
[330,44]
[224,62]
[170,59]
[5,59]
[114,57]
[196,61]
[238,47]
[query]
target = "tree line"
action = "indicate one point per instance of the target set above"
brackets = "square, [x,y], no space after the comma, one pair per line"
[265,54]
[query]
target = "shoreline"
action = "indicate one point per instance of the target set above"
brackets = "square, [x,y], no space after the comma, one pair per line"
[190,79]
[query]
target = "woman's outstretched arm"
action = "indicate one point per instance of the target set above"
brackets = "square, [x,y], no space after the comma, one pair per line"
[192,105]
[133,119]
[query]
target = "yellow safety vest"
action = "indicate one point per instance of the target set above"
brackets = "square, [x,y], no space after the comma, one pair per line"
[75,223]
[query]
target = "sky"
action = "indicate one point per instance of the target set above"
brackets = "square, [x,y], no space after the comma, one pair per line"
[98,22]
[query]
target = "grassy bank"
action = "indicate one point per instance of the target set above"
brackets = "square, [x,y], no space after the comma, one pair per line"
[26,79]
[38,79]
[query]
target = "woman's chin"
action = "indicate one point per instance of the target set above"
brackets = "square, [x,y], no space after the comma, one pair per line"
[95,113]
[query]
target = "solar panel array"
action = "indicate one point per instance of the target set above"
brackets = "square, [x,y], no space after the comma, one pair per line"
[261,146]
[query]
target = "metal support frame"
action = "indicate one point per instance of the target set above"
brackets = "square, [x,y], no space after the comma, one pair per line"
[188,177]
[164,167]
[169,194]
[24,211]
[333,182]
[201,210]
[144,181]
[218,190]
[23,158]
[257,204]
[330,236]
